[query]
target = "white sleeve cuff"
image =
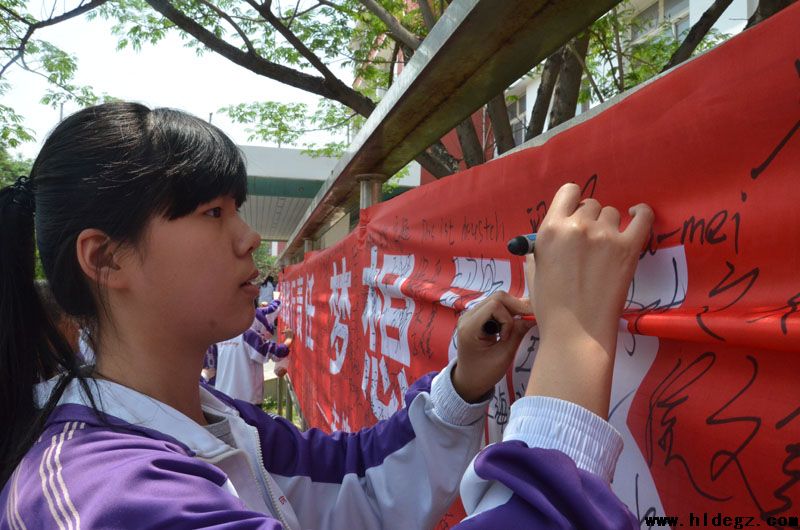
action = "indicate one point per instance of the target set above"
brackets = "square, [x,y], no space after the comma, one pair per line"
[449,405]
[551,423]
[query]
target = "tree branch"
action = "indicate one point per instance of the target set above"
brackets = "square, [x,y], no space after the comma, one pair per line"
[501,125]
[230,21]
[265,11]
[606,54]
[70,14]
[393,62]
[697,33]
[618,47]
[294,13]
[14,14]
[63,87]
[336,91]
[765,9]
[437,160]
[470,144]
[544,94]
[589,76]
[569,83]
[395,27]
[427,14]
[43,24]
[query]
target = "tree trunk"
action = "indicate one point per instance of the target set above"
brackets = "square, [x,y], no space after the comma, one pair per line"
[437,161]
[501,125]
[427,14]
[545,93]
[569,81]
[470,143]
[765,9]
[696,34]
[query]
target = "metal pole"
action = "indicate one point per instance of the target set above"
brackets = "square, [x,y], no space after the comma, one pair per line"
[280,396]
[289,402]
[370,189]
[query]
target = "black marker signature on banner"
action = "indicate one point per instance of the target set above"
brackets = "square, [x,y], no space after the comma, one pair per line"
[792,457]
[793,306]
[668,397]
[651,510]
[758,170]
[750,276]
[712,231]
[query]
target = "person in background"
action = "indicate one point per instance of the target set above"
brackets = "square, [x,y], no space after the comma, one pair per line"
[266,324]
[235,366]
[267,290]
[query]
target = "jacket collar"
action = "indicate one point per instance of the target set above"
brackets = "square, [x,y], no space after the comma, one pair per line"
[138,411]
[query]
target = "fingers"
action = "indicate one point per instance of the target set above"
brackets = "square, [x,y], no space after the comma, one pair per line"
[500,307]
[565,201]
[610,216]
[588,209]
[530,275]
[512,304]
[638,230]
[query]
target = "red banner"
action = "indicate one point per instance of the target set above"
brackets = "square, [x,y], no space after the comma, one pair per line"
[706,380]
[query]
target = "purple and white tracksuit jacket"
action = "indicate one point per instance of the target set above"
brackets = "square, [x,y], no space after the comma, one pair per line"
[149,466]
[239,361]
[266,317]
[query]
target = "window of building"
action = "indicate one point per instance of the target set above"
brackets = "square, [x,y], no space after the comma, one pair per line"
[645,22]
[518,118]
[672,16]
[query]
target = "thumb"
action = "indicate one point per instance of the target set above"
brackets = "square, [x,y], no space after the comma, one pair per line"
[521,328]
[530,273]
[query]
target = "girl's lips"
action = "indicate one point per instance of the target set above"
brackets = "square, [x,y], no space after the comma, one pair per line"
[250,288]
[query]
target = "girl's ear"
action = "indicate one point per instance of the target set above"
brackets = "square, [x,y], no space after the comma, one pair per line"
[96,256]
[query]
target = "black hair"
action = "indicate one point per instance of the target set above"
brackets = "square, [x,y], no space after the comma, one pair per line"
[268,279]
[112,167]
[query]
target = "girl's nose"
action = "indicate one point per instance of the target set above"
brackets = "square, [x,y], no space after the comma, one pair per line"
[249,241]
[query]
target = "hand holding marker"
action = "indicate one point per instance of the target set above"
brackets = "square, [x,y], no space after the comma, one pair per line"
[520,246]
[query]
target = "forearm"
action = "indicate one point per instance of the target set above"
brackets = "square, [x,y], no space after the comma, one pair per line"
[577,369]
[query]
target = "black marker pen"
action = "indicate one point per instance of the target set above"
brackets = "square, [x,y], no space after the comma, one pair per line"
[522,245]
[493,327]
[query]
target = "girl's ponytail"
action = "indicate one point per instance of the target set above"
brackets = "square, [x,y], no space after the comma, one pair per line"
[30,346]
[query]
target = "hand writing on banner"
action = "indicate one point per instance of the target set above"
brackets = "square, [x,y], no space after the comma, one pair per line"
[483,359]
[756,171]
[588,191]
[748,279]
[733,424]
[579,278]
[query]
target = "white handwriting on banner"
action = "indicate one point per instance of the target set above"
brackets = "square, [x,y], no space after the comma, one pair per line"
[338,423]
[474,276]
[296,300]
[389,312]
[339,304]
[310,311]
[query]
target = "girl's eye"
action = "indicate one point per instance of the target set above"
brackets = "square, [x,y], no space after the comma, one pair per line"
[214,212]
